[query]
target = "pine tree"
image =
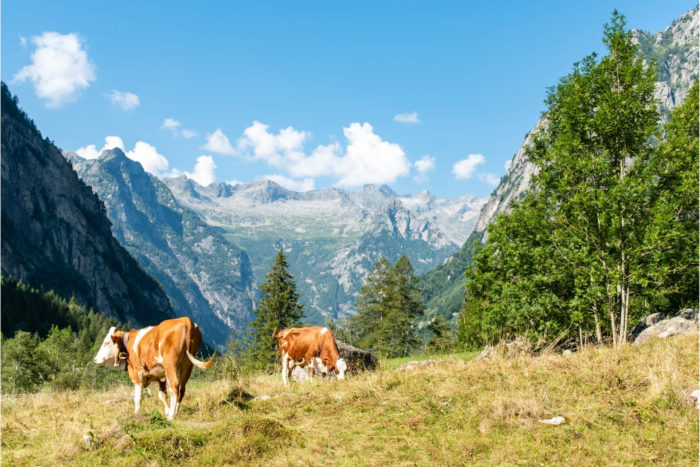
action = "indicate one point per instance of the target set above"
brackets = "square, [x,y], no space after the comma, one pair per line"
[387,307]
[279,308]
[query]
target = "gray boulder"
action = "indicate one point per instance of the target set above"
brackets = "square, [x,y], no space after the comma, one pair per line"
[643,324]
[358,360]
[413,364]
[666,328]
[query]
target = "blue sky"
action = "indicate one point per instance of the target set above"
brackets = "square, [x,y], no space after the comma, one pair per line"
[417,95]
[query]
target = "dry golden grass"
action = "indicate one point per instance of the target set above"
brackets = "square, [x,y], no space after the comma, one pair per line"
[622,406]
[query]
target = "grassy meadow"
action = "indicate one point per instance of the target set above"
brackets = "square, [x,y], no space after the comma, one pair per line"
[622,407]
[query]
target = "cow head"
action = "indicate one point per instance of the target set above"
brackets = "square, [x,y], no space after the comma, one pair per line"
[341,367]
[109,350]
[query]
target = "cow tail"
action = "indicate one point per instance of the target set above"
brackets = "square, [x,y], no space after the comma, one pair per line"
[196,334]
[198,363]
[273,333]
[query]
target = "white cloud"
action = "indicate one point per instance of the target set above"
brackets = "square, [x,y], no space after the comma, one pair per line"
[90,151]
[408,117]
[60,68]
[171,125]
[219,143]
[489,178]
[124,100]
[147,155]
[22,41]
[203,171]
[187,133]
[233,182]
[464,169]
[366,159]
[306,184]
[507,164]
[143,153]
[425,164]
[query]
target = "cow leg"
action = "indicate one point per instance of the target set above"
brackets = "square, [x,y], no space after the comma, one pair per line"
[285,369]
[138,393]
[161,394]
[174,387]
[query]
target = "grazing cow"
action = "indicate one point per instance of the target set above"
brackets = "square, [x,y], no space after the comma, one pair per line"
[312,347]
[163,353]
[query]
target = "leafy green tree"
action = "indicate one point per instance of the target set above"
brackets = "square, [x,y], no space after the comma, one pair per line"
[25,365]
[387,307]
[671,242]
[279,308]
[608,231]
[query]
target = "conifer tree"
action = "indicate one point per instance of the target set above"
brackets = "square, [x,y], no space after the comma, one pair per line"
[279,308]
[387,307]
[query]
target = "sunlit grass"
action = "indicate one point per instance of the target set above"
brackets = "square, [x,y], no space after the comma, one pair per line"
[622,407]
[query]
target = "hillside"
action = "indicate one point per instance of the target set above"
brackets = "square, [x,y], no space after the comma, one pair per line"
[205,276]
[675,51]
[55,232]
[331,237]
[627,406]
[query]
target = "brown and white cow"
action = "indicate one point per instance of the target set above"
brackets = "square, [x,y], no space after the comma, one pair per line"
[309,347]
[163,353]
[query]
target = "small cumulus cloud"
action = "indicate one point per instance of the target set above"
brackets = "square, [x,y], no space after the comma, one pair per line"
[124,100]
[219,143]
[424,165]
[188,134]
[489,178]
[306,184]
[173,126]
[22,41]
[508,164]
[203,171]
[60,68]
[465,168]
[408,117]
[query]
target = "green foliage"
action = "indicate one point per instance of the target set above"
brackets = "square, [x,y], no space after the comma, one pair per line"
[608,231]
[59,357]
[441,341]
[278,309]
[387,307]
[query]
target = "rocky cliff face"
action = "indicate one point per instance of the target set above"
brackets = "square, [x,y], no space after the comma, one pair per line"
[332,237]
[55,232]
[205,276]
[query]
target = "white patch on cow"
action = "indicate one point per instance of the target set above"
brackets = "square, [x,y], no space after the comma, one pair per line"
[318,365]
[138,393]
[342,367]
[324,330]
[139,336]
[108,350]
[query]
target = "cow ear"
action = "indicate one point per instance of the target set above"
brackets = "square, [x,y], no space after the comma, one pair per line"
[117,336]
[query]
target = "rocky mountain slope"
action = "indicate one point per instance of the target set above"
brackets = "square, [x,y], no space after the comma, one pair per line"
[332,237]
[675,51]
[204,275]
[55,232]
